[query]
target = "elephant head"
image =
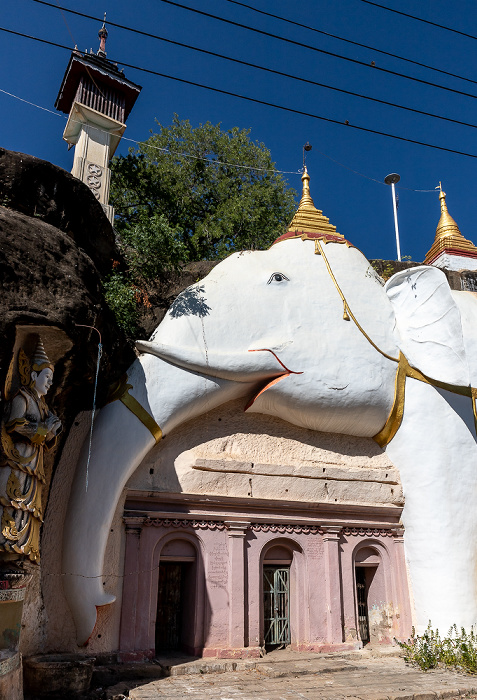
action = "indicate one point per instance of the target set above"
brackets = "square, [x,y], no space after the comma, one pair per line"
[304,331]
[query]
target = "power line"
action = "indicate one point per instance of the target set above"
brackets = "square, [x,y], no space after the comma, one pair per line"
[208,160]
[368,177]
[158,148]
[262,102]
[281,38]
[283,74]
[420,19]
[350,41]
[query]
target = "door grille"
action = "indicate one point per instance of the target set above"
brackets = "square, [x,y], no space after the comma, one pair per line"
[362,596]
[276,605]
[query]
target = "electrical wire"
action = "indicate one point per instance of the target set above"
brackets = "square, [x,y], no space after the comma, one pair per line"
[215,162]
[264,102]
[367,177]
[292,77]
[281,38]
[66,23]
[45,109]
[420,19]
[350,41]
[158,148]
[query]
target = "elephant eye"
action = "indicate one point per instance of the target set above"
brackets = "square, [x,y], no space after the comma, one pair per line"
[278,277]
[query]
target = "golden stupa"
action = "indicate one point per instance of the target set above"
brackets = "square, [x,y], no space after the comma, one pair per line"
[448,237]
[308,218]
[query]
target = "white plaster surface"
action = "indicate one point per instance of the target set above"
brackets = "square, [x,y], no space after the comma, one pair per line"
[57,623]
[455,262]
[279,341]
[231,453]
[435,449]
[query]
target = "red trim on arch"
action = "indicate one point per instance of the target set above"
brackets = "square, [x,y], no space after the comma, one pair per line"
[312,236]
[449,251]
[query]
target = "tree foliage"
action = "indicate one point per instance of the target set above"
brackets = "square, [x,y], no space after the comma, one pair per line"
[189,194]
[180,197]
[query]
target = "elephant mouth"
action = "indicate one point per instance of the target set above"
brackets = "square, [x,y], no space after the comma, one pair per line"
[271,382]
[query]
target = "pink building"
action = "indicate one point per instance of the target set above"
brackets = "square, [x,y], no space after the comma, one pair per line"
[240,532]
[224,577]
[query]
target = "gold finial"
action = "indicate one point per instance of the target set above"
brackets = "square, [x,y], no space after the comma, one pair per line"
[448,237]
[308,217]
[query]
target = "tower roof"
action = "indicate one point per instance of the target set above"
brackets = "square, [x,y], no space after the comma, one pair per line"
[103,78]
[448,237]
[310,222]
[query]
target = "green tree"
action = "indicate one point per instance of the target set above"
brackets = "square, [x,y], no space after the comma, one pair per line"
[180,197]
[190,194]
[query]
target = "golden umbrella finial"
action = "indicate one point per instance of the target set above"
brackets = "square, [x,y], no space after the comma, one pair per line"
[308,218]
[448,236]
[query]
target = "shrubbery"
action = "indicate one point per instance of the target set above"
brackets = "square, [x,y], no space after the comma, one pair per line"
[457,651]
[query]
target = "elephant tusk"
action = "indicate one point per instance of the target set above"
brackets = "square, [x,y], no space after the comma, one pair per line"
[267,386]
[288,371]
[274,381]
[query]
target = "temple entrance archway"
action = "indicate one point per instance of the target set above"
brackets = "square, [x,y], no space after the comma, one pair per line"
[176,596]
[370,588]
[276,596]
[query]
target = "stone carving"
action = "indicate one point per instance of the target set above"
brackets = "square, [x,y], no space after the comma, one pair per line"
[194,524]
[28,429]
[94,179]
[287,529]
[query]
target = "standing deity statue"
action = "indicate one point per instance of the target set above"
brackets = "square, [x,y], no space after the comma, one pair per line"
[28,429]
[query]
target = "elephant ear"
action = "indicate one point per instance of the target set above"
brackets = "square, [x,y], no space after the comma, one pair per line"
[429,324]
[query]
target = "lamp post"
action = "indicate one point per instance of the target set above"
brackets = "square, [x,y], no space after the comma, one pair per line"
[392,179]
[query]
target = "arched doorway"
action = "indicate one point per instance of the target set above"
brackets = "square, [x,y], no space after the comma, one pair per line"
[370,587]
[276,596]
[176,596]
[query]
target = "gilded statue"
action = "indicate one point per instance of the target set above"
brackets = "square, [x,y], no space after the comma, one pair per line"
[28,429]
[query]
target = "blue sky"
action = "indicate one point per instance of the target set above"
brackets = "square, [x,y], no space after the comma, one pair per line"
[359,207]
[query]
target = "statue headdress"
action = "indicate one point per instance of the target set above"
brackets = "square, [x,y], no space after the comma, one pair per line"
[40,359]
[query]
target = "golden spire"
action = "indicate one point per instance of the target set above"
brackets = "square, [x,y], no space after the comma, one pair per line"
[308,218]
[448,236]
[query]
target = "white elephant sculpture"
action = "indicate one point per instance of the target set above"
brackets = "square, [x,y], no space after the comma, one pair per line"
[306,332]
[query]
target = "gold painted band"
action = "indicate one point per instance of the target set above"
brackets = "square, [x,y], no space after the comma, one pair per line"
[404,370]
[395,417]
[141,413]
[119,391]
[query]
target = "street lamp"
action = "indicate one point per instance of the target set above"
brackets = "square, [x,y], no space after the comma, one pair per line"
[392,179]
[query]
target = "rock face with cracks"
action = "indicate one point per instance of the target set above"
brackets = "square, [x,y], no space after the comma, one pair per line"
[55,246]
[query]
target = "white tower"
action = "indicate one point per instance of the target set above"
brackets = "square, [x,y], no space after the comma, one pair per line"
[98,99]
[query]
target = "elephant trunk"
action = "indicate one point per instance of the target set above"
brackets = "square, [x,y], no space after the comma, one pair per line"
[171,396]
[235,366]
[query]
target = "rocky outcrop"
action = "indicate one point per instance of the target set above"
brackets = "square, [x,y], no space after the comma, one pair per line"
[55,246]
[43,191]
[47,280]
